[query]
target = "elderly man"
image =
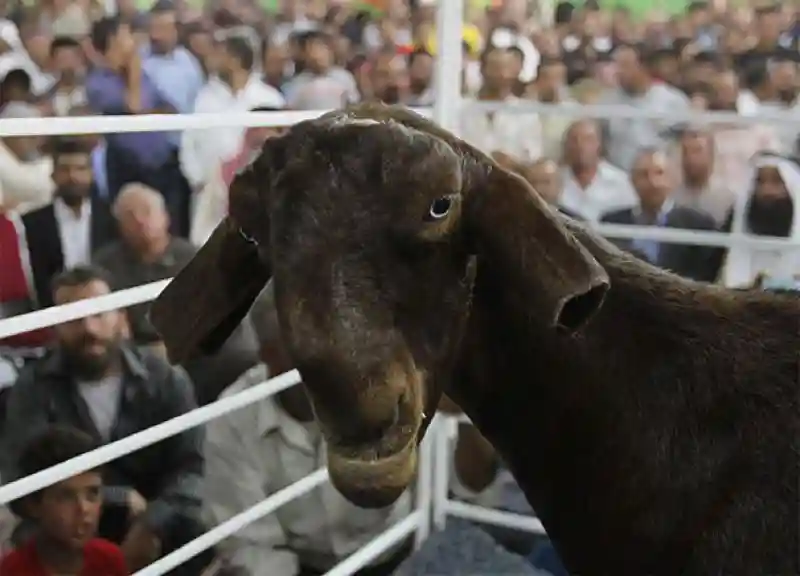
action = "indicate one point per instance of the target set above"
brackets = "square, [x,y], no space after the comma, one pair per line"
[147,252]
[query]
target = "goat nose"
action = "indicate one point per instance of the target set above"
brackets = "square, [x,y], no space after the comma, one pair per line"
[372,416]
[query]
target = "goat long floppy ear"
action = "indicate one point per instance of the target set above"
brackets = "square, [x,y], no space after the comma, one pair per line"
[211,295]
[523,244]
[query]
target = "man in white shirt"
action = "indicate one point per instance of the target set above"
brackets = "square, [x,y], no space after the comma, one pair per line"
[235,89]
[266,446]
[508,133]
[591,185]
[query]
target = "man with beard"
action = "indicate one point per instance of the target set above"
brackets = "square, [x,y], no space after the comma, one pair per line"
[172,68]
[66,232]
[388,78]
[767,209]
[93,380]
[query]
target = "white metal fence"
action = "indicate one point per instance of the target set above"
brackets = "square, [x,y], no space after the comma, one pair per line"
[432,503]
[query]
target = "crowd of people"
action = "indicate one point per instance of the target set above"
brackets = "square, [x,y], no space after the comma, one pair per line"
[83,216]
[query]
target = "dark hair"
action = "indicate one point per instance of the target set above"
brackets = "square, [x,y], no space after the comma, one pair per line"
[17,77]
[162,7]
[54,445]
[60,42]
[240,49]
[563,13]
[417,53]
[67,147]
[309,36]
[103,31]
[755,75]
[79,276]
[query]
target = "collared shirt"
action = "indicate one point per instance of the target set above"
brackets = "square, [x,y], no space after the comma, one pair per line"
[651,248]
[75,232]
[610,190]
[626,136]
[203,151]
[518,135]
[178,76]
[105,91]
[259,450]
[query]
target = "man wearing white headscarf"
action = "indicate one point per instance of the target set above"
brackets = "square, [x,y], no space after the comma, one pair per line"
[767,207]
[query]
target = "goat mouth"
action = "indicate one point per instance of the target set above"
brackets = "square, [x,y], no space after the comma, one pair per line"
[373,472]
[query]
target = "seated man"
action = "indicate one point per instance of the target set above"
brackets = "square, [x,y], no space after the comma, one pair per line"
[65,514]
[654,187]
[266,446]
[147,252]
[95,381]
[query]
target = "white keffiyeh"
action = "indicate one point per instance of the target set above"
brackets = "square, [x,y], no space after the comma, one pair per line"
[744,263]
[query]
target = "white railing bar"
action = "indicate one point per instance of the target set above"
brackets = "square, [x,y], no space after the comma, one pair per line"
[123,298]
[626,112]
[494,517]
[377,546]
[98,457]
[76,125]
[693,237]
[234,524]
[423,492]
[56,315]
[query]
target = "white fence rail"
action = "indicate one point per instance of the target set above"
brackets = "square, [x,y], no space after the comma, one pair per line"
[432,505]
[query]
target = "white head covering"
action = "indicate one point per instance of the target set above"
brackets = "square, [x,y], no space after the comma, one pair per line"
[744,263]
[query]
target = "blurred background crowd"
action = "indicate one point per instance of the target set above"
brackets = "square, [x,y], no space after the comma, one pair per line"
[82,216]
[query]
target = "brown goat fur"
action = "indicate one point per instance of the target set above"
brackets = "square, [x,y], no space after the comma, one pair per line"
[652,422]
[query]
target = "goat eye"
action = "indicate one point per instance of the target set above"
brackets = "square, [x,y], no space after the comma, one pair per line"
[440,207]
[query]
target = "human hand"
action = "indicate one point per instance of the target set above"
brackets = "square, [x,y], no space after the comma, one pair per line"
[140,547]
[137,505]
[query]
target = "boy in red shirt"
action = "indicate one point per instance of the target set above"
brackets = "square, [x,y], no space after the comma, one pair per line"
[65,515]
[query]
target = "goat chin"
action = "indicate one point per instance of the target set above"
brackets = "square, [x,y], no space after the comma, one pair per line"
[370,483]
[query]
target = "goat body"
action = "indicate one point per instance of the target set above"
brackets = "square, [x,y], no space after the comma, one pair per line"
[660,439]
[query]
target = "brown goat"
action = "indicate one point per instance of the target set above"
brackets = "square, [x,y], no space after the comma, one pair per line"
[652,422]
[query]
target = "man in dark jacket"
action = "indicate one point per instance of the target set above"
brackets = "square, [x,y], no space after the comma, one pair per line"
[95,381]
[650,178]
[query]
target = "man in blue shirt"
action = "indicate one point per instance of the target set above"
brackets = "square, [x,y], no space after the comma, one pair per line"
[119,86]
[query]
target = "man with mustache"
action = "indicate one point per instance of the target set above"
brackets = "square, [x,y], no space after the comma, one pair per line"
[95,381]
[68,230]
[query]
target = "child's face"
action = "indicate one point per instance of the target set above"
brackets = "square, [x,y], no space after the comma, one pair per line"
[68,512]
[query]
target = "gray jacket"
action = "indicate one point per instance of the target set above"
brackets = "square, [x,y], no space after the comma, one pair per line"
[167,474]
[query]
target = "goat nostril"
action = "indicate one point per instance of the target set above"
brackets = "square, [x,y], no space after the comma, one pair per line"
[360,433]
